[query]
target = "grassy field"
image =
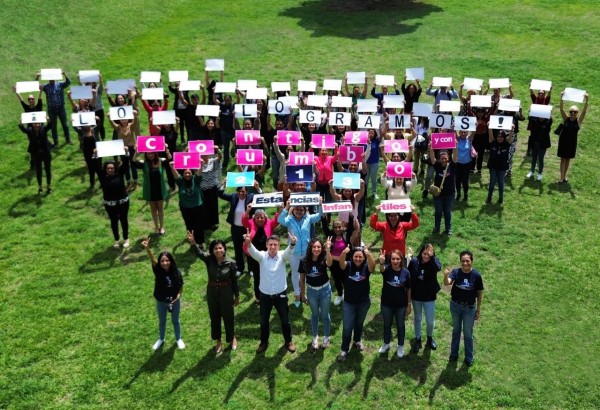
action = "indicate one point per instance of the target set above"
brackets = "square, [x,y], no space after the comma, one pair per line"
[78,317]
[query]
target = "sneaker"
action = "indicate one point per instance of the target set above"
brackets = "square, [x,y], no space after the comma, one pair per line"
[375,195]
[400,351]
[291,347]
[180,344]
[425,193]
[435,231]
[250,273]
[126,243]
[158,344]
[384,348]
[338,300]
[297,303]
[359,345]
[468,363]
[238,274]
[326,341]
[529,174]
[539,177]
[315,342]
[116,245]
[453,359]
[448,232]
[488,200]
[342,356]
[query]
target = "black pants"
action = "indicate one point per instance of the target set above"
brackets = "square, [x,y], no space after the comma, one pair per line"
[462,178]
[94,165]
[184,128]
[100,124]
[254,267]
[118,213]
[193,222]
[220,307]
[480,142]
[130,169]
[280,302]
[210,201]
[338,277]
[46,158]
[237,236]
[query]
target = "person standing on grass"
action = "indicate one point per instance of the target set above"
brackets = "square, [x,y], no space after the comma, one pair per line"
[411,94]
[395,298]
[464,145]
[55,101]
[498,162]
[190,201]
[168,285]
[115,200]
[40,150]
[273,287]
[125,130]
[445,170]
[465,306]
[154,188]
[567,140]
[394,231]
[539,142]
[424,288]
[211,180]
[31,105]
[222,291]
[357,299]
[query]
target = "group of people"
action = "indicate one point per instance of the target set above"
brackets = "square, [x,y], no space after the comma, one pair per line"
[409,283]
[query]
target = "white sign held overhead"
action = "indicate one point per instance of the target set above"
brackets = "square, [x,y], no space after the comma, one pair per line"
[278,107]
[33,117]
[501,122]
[89,76]
[499,83]
[222,87]
[115,87]
[542,85]
[280,86]
[163,117]
[153,93]
[472,84]
[440,121]
[257,93]
[465,123]
[340,118]
[399,122]
[422,109]
[509,104]
[110,148]
[180,75]
[483,101]
[384,80]
[450,106]
[366,105]
[150,77]
[308,86]
[315,100]
[341,102]
[124,112]
[332,85]
[356,77]
[574,95]
[81,91]
[245,110]
[290,100]
[413,74]
[368,121]
[214,64]
[540,111]
[309,116]
[442,81]
[51,74]
[245,85]
[189,85]
[27,86]
[207,110]
[83,119]
[393,101]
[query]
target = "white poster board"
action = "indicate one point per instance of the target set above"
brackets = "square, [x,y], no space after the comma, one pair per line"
[355,77]
[393,101]
[51,74]
[89,76]
[83,119]
[366,105]
[417,73]
[483,101]
[214,64]
[509,104]
[178,75]
[208,110]
[384,80]
[442,81]
[33,117]
[244,85]
[574,95]
[81,91]
[163,117]
[449,106]
[501,122]
[540,111]
[150,77]
[472,84]
[280,86]
[110,148]
[332,85]
[257,93]
[315,100]
[341,102]
[307,85]
[422,109]
[153,93]
[222,87]
[189,85]
[542,85]
[499,83]
[124,112]
[27,86]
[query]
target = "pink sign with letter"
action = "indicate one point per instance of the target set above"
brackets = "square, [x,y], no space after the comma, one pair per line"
[351,154]
[301,158]
[247,137]
[323,141]
[186,160]
[202,147]
[399,169]
[356,137]
[151,144]
[249,157]
[288,137]
[395,146]
[443,140]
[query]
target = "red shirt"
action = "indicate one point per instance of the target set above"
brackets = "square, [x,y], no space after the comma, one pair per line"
[394,239]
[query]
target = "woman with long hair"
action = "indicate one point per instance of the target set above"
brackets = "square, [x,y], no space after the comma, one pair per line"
[115,199]
[154,188]
[190,201]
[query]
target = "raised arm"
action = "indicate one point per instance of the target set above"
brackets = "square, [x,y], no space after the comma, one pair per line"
[146,245]
[583,111]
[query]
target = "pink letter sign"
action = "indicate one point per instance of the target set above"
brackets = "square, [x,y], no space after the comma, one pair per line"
[395,146]
[351,154]
[151,144]
[356,137]
[399,169]
[288,137]
[247,137]
[249,157]
[323,141]
[444,140]
[186,160]
[301,158]
[202,147]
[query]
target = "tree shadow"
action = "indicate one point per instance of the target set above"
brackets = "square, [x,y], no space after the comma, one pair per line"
[360,19]
[260,367]
[207,365]
[452,377]
[26,205]
[307,362]
[158,362]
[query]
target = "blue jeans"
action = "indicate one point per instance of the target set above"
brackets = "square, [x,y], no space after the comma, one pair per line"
[161,310]
[497,177]
[429,308]
[443,205]
[319,302]
[61,113]
[372,171]
[463,320]
[537,155]
[353,319]
[388,314]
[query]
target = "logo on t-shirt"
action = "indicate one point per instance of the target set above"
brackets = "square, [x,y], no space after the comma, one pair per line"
[357,277]
[395,282]
[465,285]
[314,272]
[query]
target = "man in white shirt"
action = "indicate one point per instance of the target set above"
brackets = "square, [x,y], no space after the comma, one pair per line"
[273,288]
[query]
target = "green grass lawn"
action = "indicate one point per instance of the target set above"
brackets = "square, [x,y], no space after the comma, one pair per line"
[78,317]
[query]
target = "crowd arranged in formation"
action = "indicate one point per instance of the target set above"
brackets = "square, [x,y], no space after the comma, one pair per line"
[326,255]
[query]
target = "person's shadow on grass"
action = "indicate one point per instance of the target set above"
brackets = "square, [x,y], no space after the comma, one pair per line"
[490,209]
[352,364]
[558,188]
[260,367]
[26,205]
[207,365]
[157,362]
[452,377]
[307,362]
[531,184]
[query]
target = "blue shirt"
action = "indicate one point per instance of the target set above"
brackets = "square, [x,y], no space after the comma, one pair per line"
[300,229]
[55,96]
[464,150]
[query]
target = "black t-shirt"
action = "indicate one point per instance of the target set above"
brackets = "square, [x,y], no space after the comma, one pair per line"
[465,286]
[449,185]
[315,274]
[423,279]
[499,155]
[226,117]
[166,284]
[260,239]
[357,288]
[394,292]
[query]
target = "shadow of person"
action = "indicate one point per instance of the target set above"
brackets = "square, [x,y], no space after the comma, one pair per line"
[531,185]
[416,366]
[80,200]
[363,19]
[490,209]
[452,377]
[157,362]
[352,364]
[561,188]
[80,172]
[26,205]
[260,367]
[210,363]
[307,362]
[383,367]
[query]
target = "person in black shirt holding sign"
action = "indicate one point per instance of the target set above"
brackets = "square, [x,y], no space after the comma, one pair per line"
[445,170]
[168,285]
[465,306]
[498,162]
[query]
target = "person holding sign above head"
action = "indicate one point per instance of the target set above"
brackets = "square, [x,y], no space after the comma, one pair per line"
[464,146]
[348,195]
[411,93]
[379,96]
[211,181]
[539,142]
[259,227]
[441,94]
[540,98]
[480,139]
[271,133]
[98,91]
[150,107]
[154,188]
[298,223]
[39,148]
[169,131]
[273,288]
[180,108]
[372,161]
[193,124]
[567,140]
[55,101]
[356,95]
[31,105]
[357,299]
[324,170]
[222,290]
[125,130]
[282,152]
[393,230]
[168,285]
[465,306]
[445,180]
[226,119]
[190,201]
[88,138]
[115,199]
[498,162]
[395,298]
